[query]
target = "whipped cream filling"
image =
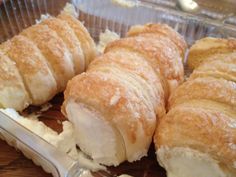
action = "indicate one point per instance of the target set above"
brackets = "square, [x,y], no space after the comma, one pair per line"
[105,38]
[95,136]
[186,162]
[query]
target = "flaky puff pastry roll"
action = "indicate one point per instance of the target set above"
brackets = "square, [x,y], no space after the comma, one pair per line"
[160,52]
[114,104]
[44,56]
[218,66]
[32,66]
[197,137]
[87,43]
[67,34]
[54,50]
[163,30]
[196,140]
[208,47]
[111,122]
[13,93]
[131,62]
[209,88]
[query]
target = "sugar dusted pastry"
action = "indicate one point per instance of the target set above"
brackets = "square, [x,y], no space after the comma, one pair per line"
[114,105]
[163,30]
[67,34]
[219,66]
[40,61]
[197,137]
[207,47]
[55,51]
[11,83]
[165,59]
[39,83]
[87,44]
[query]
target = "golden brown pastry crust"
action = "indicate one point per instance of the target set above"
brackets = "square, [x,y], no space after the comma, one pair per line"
[219,66]
[208,47]
[69,37]
[134,63]
[87,43]
[208,88]
[54,50]
[160,29]
[10,84]
[28,60]
[161,57]
[42,58]
[202,115]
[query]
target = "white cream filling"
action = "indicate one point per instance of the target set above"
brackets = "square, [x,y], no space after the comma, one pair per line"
[186,162]
[95,136]
[70,9]
[42,17]
[106,38]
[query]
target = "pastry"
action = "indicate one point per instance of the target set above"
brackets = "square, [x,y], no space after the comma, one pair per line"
[55,52]
[39,83]
[12,89]
[87,44]
[41,59]
[114,105]
[207,47]
[165,59]
[67,34]
[161,29]
[197,137]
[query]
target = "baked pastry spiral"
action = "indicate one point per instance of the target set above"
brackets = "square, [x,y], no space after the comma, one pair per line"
[207,47]
[36,64]
[114,105]
[197,137]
